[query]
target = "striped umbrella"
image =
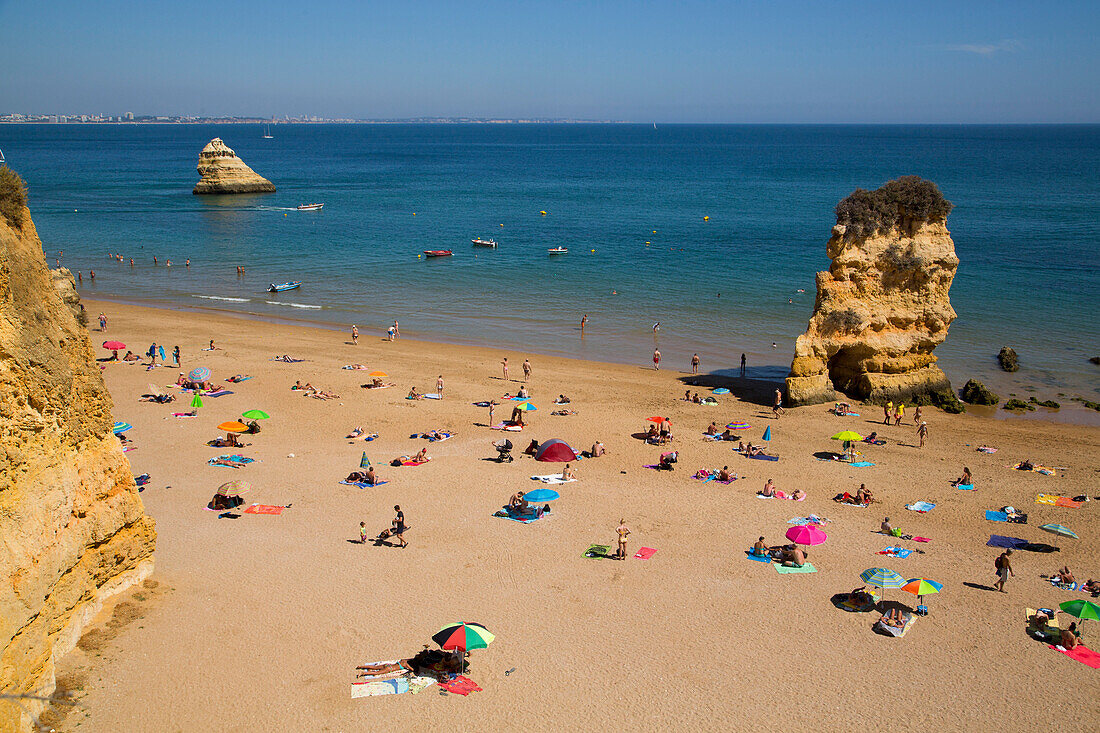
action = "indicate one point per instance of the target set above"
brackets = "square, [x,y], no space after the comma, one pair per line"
[121,427]
[234,488]
[882,578]
[199,374]
[463,636]
[1060,530]
[738,425]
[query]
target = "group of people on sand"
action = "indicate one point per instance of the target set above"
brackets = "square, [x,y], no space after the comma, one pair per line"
[396,530]
[310,391]
[368,477]
[185,382]
[862,497]
[790,555]
[659,434]
[420,457]
[770,491]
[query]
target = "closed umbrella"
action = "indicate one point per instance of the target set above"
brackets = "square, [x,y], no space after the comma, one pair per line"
[255,415]
[1060,530]
[364,462]
[767,433]
[882,578]
[806,534]
[199,374]
[196,402]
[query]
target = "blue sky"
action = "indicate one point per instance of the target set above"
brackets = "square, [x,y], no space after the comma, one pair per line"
[689,61]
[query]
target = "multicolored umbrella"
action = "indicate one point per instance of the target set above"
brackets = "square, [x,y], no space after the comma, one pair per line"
[233,488]
[767,433]
[463,636]
[378,374]
[806,534]
[113,345]
[255,415]
[847,436]
[121,427]
[540,496]
[526,407]
[199,374]
[233,427]
[738,425]
[1060,530]
[364,462]
[882,578]
[921,587]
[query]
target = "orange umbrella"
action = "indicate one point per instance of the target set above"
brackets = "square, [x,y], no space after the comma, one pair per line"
[233,427]
[378,374]
[656,418]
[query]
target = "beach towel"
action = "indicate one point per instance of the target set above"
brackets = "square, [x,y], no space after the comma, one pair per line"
[432,396]
[1012,543]
[898,552]
[554,478]
[1052,630]
[849,605]
[597,551]
[1055,500]
[513,514]
[507,426]
[183,414]
[920,506]
[788,497]
[460,685]
[1081,653]
[1064,586]
[812,519]
[232,459]
[986,449]
[922,539]
[236,380]
[964,487]
[644,553]
[264,509]
[129,448]
[993,516]
[894,631]
[285,361]
[650,465]
[379,687]
[219,393]
[783,569]
[861,464]
[757,558]
[761,457]
[412,463]
[419,684]
[363,484]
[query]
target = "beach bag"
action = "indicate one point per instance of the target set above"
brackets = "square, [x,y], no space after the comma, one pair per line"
[998,562]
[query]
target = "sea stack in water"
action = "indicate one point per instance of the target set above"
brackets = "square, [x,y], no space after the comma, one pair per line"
[72,527]
[883,305]
[223,172]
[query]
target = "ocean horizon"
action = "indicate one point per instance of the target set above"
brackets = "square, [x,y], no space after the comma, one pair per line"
[715,231]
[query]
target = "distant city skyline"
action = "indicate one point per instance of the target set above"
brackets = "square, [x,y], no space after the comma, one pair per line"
[798,61]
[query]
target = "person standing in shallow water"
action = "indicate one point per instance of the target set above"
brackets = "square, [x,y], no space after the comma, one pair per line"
[657,359]
[742,365]
[354,335]
[694,363]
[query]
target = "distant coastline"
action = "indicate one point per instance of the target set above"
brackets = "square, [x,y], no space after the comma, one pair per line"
[21,119]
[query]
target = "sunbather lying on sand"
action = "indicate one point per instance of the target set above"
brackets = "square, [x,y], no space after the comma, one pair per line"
[225,462]
[306,387]
[362,477]
[1091,586]
[355,367]
[229,441]
[564,412]
[894,617]
[1063,576]
[131,356]
[238,378]
[322,394]
[863,496]
[373,670]
[160,399]
[860,596]
[284,357]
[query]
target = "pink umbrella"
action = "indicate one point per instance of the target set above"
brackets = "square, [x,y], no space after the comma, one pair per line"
[806,534]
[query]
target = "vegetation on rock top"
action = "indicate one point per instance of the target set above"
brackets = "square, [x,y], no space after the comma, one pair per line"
[13,197]
[909,198]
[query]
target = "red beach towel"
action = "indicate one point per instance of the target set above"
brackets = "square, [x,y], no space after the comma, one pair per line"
[460,686]
[264,509]
[1082,654]
[644,553]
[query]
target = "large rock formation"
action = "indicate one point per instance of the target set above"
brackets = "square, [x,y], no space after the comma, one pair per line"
[883,305]
[72,527]
[223,172]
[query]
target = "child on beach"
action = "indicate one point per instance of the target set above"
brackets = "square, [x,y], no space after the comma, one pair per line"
[362,533]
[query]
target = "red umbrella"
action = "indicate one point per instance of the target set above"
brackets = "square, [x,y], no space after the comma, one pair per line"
[806,534]
[113,345]
[656,418]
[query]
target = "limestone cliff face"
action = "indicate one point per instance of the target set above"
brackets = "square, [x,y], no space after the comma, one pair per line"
[223,172]
[881,309]
[72,526]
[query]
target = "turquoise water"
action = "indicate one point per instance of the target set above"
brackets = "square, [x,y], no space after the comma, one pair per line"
[1025,227]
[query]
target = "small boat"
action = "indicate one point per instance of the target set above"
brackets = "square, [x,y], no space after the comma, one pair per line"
[437,253]
[267,133]
[284,287]
[557,251]
[479,242]
[309,207]
[2,161]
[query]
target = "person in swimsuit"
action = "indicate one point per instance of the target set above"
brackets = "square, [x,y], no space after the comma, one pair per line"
[1003,565]
[622,530]
[760,549]
[712,429]
[694,363]
[656,356]
[724,474]
[1070,640]
[769,489]
[526,370]
[567,473]
[504,365]
[966,479]
[355,335]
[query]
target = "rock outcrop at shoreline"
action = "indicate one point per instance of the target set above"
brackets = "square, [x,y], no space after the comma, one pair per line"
[223,172]
[72,527]
[883,305]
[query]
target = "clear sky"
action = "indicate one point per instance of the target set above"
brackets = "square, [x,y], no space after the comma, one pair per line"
[665,61]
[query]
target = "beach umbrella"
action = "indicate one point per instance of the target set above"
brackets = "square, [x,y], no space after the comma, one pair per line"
[921,587]
[113,345]
[199,374]
[738,425]
[121,427]
[767,433]
[463,636]
[378,374]
[720,390]
[364,462]
[1082,609]
[255,415]
[196,402]
[526,407]
[540,496]
[806,534]
[1060,530]
[882,578]
[233,488]
[656,419]
[847,436]
[233,427]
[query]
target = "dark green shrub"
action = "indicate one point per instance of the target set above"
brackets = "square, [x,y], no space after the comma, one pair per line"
[13,197]
[907,198]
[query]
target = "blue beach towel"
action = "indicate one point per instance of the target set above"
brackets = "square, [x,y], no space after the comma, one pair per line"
[996,516]
[861,464]
[757,558]
[965,487]
[899,552]
[363,484]
[920,506]
[765,458]
[1012,543]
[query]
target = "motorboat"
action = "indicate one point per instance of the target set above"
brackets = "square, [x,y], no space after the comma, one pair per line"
[557,251]
[273,288]
[309,207]
[437,253]
[479,242]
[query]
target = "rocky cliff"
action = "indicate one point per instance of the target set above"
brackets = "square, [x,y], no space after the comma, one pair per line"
[72,527]
[223,172]
[883,305]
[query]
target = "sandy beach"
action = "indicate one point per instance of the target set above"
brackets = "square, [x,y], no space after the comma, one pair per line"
[258,622]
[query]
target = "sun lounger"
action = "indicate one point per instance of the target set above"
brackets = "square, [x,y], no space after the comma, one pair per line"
[882,627]
[785,570]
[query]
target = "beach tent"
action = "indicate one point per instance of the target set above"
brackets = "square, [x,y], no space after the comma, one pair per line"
[555,451]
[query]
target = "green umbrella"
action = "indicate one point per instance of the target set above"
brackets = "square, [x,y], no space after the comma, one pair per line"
[255,415]
[1082,609]
[196,402]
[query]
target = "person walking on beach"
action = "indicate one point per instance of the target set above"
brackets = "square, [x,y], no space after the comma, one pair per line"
[354,335]
[657,359]
[694,363]
[399,525]
[622,530]
[362,533]
[153,354]
[526,370]
[777,408]
[899,413]
[886,410]
[742,366]
[1004,569]
[439,386]
[102,322]
[176,354]
[922,433]
[917,416]
[504,364]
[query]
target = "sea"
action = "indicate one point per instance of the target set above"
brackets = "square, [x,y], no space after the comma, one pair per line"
[713,231]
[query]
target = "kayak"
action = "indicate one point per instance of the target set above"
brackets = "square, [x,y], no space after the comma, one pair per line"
[285,286]
[437,253]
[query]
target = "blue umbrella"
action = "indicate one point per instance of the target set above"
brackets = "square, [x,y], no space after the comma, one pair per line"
[539,496]
[121,427]
[768,433]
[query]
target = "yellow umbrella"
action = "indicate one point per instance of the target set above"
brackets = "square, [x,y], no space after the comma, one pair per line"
[378,374]
[848,435]
[233,427]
